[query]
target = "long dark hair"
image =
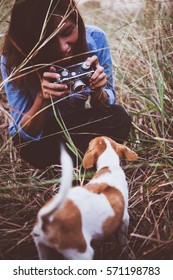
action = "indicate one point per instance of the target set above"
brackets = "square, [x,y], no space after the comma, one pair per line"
[26,25]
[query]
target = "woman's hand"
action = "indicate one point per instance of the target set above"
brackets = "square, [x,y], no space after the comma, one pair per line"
[51,89]
[98,79]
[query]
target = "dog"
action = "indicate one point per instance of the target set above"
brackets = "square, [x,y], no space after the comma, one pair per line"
[77,215]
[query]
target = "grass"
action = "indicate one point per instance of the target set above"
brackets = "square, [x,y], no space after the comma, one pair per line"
[142,47]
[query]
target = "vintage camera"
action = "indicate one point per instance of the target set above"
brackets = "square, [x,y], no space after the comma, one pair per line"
[76,76]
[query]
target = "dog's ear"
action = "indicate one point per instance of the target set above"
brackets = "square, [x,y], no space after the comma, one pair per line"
[123,150]
[128,153]
[89,159]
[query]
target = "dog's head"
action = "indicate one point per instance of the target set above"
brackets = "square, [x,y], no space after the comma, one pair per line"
[98,145]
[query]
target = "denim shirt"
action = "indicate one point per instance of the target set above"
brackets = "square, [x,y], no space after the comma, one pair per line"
[21,100]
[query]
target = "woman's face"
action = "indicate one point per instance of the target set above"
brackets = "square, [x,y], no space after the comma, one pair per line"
[66,38]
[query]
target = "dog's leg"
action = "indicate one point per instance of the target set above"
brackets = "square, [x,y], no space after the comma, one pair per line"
[71,254]
[41,248]
[122,234]
[45,252]
[123,231]
[88,254]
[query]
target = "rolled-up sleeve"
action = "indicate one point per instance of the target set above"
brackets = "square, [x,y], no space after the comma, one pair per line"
[19,101]
[105,60]
[97,42]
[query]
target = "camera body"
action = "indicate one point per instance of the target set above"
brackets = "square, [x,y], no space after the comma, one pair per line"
[76,76]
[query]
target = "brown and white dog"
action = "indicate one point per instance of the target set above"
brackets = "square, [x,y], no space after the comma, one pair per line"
[77,215]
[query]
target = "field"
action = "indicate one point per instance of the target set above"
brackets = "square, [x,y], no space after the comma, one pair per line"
[142,51]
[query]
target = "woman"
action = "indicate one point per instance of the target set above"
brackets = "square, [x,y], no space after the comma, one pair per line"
[43,37]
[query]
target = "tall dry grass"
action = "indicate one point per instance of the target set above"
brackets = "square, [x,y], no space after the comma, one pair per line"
[141,45]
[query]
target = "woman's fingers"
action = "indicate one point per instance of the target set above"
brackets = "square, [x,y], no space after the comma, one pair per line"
[93,60]
[98,74]
[98,78]
[99,82]
[50,86]
[51,75]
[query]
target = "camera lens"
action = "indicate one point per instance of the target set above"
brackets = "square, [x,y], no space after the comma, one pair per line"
[79,86]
